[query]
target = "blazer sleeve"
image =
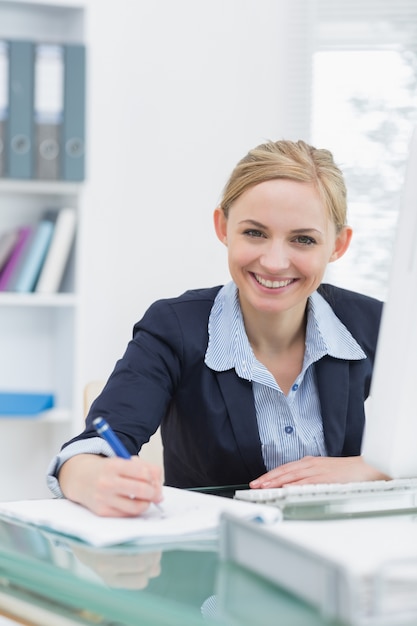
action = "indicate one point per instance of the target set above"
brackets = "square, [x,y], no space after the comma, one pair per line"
[208,420]
[140,388]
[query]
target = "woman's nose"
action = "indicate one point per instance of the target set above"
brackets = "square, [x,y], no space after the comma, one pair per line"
[275,257]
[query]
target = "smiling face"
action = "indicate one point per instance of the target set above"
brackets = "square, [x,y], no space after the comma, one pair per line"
[280,240]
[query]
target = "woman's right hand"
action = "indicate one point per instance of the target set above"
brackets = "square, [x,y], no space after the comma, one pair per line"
[111,487]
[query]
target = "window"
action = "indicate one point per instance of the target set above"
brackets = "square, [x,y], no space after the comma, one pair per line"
[364,110]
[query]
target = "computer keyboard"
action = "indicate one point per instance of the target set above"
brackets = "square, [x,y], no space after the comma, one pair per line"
[338,499]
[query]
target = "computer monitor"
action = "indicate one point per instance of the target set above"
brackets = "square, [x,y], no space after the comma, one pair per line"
[390,437]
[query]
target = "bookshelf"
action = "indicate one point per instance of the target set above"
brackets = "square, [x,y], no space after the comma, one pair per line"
[39,332]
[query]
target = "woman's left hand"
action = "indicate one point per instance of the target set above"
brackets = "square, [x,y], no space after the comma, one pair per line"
[319,469]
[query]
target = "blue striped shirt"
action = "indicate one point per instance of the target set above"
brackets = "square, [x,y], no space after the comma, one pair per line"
[290,426]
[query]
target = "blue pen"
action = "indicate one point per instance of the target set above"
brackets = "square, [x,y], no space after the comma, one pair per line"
[108,434]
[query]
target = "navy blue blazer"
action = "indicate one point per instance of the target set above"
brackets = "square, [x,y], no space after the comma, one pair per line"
[208,421]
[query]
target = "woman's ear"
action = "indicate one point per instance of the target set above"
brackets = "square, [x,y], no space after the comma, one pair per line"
[220,225]
[342,243]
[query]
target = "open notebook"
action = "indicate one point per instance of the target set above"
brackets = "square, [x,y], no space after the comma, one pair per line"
[182,515]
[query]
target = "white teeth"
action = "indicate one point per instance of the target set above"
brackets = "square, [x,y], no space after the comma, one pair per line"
[272,284]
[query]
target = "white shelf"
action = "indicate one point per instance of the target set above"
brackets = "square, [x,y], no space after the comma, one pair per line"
[44,21]
[54,300]
[51,416]
[39,333]
[48,4]
[39,187]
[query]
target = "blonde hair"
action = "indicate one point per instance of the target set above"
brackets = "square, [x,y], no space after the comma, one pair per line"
[294,161]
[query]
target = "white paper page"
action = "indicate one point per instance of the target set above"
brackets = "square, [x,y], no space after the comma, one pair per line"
[186,514]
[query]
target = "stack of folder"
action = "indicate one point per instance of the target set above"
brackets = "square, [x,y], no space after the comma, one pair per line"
[42,110]
[34,257]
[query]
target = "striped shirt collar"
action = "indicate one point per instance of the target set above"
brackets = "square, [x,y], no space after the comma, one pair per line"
[229,347]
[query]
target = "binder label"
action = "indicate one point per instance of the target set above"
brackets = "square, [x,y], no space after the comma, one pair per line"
[48,109]
[49,84]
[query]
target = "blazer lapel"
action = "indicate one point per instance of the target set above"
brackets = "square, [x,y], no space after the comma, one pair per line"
[333,387]
[238,397]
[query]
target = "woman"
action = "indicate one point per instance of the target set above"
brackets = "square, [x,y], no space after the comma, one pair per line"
[261,381]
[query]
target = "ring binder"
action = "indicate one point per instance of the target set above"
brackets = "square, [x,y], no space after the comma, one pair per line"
[21,82]
[73,137]
[56,259]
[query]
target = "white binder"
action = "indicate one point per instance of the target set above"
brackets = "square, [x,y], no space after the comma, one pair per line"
[362,572]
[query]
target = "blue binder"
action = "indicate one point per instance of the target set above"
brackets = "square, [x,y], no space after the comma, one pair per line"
[4,103]
[20,140]
[16,403]
[73,136]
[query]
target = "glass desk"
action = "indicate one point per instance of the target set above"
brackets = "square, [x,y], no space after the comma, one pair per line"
[49,581]
[46,580]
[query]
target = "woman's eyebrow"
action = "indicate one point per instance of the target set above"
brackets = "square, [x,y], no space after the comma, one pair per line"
[253,223]
[297,231]
[294,231]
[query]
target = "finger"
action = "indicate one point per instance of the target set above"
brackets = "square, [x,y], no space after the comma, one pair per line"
[135,468]
[131,507]
[140,490]
[288,472]
[280,479]
[271,478]
[142,473]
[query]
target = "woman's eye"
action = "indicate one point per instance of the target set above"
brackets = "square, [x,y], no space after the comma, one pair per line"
[305,240]
[251,232]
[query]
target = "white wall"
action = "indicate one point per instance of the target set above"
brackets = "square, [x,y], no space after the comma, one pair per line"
[178,93]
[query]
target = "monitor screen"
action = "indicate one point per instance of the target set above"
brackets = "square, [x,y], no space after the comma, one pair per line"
[390,437]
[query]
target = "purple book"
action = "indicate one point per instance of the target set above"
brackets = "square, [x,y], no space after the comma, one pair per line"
[7,273]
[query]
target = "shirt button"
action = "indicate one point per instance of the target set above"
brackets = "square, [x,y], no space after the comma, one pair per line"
[294,387]
[289,430]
